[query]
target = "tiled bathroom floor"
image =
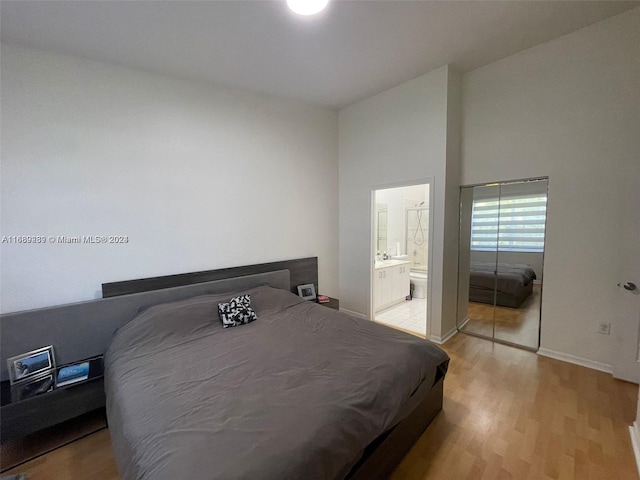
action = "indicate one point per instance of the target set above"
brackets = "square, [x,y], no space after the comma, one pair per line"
[409,316]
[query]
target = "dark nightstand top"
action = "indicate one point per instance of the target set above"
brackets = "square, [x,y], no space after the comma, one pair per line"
[27,390]
[332,303]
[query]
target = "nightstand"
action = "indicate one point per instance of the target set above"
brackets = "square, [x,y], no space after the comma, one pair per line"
[332,303]
[22,416]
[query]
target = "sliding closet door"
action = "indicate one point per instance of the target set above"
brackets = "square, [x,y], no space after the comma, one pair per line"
[464,257]
[521,237]
[502,236]
[478,259]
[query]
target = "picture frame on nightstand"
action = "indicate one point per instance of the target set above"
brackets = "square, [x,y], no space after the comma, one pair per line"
[74,373]
[31,364]
[307,291]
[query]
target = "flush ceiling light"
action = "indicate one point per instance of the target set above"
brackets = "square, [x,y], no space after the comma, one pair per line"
[307,7]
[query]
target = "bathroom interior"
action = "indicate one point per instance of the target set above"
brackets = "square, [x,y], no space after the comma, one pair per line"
[401,249]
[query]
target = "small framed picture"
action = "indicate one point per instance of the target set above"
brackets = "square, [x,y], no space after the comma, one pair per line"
[31,364]
[69,374]
[308,291]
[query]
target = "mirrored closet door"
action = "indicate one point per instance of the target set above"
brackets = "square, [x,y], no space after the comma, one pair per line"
[502,236]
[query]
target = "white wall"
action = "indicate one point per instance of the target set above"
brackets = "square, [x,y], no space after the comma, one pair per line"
[569,109]
[197,177]
[397,136]
[451,218]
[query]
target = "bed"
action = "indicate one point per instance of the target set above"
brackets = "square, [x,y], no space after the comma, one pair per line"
[303,392]
[509,284]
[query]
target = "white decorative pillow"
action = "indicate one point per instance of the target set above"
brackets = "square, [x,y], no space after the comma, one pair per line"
[237,311]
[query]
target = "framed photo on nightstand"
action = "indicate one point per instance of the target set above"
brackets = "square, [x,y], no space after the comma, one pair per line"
[307,291]
[69,374]
[31,364]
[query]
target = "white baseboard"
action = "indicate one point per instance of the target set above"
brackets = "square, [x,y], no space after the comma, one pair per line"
[635,442]
[584,362]
[466,320]
[444,338]
[354,314]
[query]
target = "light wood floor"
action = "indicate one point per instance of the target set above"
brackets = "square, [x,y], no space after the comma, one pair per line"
[515,325]
[511,414]
[89,458]
[508,414]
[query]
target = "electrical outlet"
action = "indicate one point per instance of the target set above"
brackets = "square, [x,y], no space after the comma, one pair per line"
[605,328]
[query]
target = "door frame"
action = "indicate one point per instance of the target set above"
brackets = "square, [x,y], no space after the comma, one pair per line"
[430,181]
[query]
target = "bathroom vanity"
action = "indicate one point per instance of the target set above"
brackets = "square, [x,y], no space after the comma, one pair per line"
[391,284]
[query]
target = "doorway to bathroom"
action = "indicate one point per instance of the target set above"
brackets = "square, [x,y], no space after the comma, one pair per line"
[400,286]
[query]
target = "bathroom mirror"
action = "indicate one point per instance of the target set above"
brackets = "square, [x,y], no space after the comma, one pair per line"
[501,253]
[381,228]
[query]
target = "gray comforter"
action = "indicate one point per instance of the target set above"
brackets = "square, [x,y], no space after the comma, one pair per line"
[297,394]
[511,278]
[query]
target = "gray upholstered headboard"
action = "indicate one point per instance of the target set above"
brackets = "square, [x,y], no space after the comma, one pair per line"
[83,330]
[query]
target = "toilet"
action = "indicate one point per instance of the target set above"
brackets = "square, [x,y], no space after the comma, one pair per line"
[418,279]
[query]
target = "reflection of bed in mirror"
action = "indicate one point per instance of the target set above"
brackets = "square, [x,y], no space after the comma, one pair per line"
[513,283]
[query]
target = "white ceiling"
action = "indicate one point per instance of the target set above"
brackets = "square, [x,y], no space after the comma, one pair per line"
[353,50]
